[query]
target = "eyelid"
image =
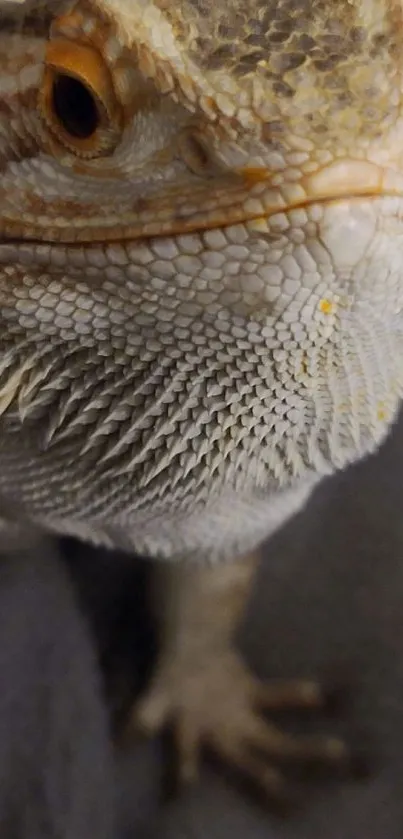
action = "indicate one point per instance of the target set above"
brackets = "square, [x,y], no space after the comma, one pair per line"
[85,64]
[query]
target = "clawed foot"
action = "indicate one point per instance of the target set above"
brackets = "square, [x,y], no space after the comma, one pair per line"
[219,705]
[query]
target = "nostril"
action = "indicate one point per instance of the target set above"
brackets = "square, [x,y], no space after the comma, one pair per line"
[195,153]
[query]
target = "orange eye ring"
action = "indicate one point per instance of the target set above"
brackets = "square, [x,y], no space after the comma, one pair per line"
[77,99]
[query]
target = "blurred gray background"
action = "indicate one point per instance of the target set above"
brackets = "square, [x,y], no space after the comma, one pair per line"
[329,601]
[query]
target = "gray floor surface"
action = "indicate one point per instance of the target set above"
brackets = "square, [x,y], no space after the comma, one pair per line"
[329,600]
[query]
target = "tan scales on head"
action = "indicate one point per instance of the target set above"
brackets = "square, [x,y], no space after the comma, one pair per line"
[286,59]
[337,100]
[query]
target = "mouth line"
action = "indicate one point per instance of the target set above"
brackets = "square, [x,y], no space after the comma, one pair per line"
[185,225]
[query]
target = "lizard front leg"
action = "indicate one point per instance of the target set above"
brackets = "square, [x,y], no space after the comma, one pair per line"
[204,689]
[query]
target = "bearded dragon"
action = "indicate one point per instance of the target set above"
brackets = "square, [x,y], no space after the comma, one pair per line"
[201,291]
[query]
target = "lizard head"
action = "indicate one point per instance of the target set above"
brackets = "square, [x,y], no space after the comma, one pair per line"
[201,207]
[160,119]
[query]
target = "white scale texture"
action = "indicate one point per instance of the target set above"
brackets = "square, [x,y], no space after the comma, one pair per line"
[191,391]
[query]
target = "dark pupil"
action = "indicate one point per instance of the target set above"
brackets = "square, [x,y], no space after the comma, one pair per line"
[75,107]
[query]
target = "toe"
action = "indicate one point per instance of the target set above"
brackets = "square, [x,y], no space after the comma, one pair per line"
[188,745]
[282,746]
[260,775]
[283,694]
[150,715]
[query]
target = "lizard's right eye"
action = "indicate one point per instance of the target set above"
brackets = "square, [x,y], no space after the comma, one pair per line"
[75,107]
[77,99]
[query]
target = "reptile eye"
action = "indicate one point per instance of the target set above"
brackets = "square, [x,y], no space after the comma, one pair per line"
[77,99]
[75,107]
